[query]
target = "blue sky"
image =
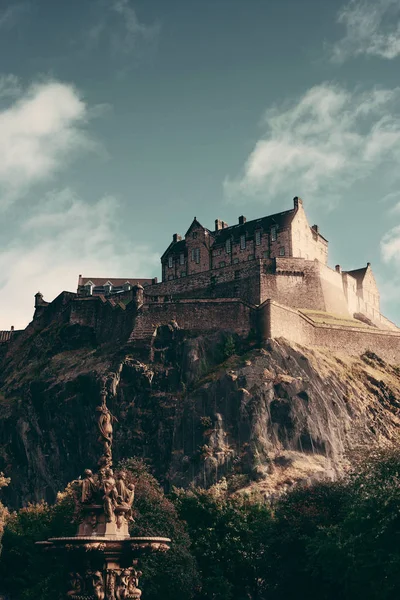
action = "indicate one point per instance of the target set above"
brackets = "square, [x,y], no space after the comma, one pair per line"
[120,120]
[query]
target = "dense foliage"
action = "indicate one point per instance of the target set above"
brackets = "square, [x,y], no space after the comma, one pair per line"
[29,573]
[3,511]
[326,541]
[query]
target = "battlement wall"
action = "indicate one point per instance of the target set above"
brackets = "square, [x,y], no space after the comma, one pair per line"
[282,321]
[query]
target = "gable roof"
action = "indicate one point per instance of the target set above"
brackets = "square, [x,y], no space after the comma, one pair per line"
[359,274]
[195,225]
[176,247]
[282,220]
[115,282]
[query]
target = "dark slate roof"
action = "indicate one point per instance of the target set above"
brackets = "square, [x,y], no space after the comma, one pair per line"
[358,274]
[281,220]
[175,247]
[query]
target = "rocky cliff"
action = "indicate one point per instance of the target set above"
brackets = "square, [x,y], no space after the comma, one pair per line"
[196,407]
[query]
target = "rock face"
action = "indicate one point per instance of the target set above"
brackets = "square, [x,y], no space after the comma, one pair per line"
[277,414]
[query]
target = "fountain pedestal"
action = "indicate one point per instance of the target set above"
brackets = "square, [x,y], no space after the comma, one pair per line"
[102,558]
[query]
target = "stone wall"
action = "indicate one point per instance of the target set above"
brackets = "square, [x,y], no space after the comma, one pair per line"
[110,322]
[332,290]
[228,282]
[199,315]
[292,281]
[307,242]
[282,321]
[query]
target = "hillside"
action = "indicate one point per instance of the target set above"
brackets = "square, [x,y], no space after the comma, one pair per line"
[206,406]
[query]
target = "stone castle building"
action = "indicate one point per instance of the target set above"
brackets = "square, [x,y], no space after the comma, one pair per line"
[267,277]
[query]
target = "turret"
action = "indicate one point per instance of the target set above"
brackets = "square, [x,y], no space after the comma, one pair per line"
[138,295]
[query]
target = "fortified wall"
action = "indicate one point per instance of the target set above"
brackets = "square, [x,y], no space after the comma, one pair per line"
[268,277]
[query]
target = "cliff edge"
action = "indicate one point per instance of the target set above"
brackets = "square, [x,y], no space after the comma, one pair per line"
[203,407]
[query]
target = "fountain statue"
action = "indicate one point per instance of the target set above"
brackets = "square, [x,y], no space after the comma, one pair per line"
[102,557]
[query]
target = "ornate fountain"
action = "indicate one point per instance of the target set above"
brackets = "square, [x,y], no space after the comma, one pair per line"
[102,557]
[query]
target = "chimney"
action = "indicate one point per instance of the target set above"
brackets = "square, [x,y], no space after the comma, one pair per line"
[297,202]
[316,228]
[218,224]
[154,281]
[338,269]
[224,225]
[368,264]
[176,238]
[242,220]
[12,327]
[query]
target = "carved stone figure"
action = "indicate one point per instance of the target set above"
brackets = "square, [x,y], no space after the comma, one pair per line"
[110,494]
[131,497]
[133,590]
[98,585]
[111,581]
[76,583]
[104,422]
[126,495]
[89,487]
[123,583]
[122,489]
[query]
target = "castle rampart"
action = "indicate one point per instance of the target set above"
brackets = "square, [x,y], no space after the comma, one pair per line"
[283,321]
[261,275]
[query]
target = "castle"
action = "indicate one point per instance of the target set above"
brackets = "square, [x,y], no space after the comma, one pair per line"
[268,276]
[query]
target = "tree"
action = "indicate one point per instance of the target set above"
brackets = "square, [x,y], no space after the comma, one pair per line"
[3,510]
[230,537]
[41,575]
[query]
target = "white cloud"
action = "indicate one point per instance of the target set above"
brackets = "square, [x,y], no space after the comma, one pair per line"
[39,134]
[390,246]
[321,144]
[64,237]
[372,29]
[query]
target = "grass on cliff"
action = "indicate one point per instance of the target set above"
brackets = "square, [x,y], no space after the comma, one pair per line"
[324,318]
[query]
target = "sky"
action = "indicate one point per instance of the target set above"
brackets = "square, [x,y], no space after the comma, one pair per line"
[121,120]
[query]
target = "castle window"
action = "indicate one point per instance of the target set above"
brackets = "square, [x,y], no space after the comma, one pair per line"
[194,235]
[266,254]
[228,246]
[258,238]
[170,277]
[235,261]
[251,257]
[242,242]
[170,262]
[281,251]
[89,288]
[107,288]
[222,264]
[273,234]
[183,273]
[196,255]
[182,259]
[237,274]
